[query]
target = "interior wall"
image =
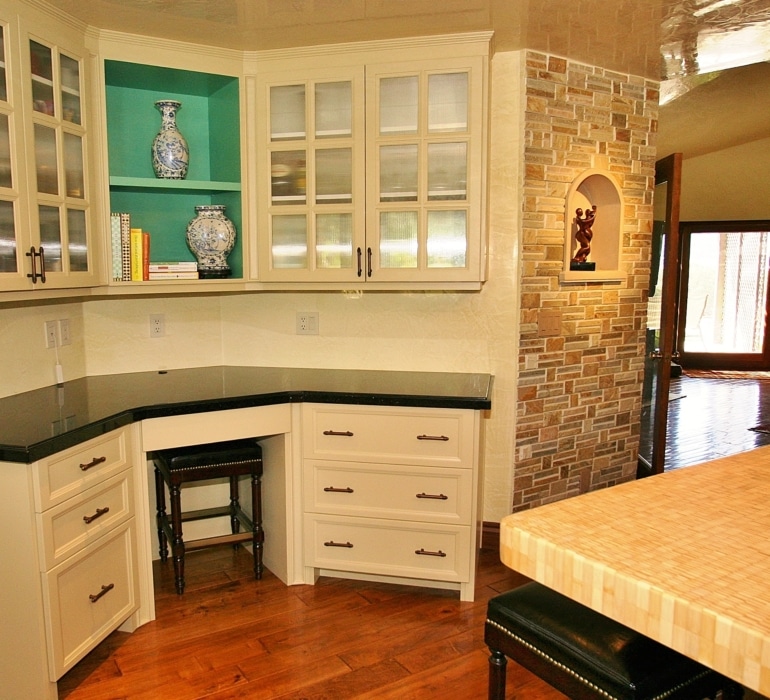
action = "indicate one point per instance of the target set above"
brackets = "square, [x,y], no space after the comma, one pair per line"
[727,185]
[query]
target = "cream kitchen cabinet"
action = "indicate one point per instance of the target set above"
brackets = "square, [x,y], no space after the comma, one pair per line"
[71,537]
[371,164]
[46,207]
[391,493]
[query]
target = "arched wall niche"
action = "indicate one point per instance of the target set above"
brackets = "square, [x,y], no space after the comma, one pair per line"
[595,187]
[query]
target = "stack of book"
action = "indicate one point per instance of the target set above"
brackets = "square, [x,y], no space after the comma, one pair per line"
[131,255]
[173,270]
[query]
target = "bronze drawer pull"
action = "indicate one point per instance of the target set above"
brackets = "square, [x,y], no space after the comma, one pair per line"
[88,519]
[439,497]
[93,463]
[441,438]
[343,433]
[332,489]
[105,589]
[426,553]
[332,543]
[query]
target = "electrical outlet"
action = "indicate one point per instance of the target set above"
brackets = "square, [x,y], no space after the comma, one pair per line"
[307,323]
[50,334]
[157,325]
[64,331]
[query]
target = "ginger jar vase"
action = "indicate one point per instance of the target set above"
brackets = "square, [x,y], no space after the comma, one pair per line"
[170,155]
[211,237]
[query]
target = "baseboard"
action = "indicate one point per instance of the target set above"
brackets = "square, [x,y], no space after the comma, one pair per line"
[490,535]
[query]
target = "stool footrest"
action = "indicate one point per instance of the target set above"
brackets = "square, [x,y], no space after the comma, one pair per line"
[218,539]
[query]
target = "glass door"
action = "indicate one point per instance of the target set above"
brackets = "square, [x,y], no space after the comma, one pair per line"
[661,316]
[315,205]
[724,302]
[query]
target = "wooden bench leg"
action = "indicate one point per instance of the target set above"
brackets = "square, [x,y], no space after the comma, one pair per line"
[258,534]
[497,664]
[177,546]
[160,514]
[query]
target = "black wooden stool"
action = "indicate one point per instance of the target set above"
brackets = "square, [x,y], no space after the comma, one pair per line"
[586,655]
[177,466]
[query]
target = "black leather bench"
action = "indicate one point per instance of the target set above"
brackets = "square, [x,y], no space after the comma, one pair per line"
[586,655]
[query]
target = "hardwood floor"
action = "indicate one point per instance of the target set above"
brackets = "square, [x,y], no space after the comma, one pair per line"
[710,418]
[230,636]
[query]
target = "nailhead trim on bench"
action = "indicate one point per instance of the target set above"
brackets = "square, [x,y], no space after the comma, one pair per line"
[585,681]
[208,466]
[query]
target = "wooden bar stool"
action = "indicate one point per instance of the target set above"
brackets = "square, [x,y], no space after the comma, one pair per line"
[178,466]
[588,656]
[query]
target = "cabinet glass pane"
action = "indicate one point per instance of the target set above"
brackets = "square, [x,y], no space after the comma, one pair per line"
[77,243]
[287,112]
[398,239]
[447,242]
[45,160]
[50,237]
[448,102]
[447,171]
[398,105]
[73,165]
[333,109]
[334,241]
[70,89]
[334,176]
[3,84]
[290,241]
[7,238]
[42,78]
[288,175]
[398,173]
[5,152]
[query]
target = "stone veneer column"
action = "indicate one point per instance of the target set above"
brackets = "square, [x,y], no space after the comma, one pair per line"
[579,393]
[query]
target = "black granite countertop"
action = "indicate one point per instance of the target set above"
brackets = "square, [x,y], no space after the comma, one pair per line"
[39,423]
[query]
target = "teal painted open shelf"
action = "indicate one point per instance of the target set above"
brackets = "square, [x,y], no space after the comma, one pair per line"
[209,119]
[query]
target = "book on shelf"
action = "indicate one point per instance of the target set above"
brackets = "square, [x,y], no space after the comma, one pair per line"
[179,275]
[181,266]
[125,246]
[136,254]
[145,256]
[117,254]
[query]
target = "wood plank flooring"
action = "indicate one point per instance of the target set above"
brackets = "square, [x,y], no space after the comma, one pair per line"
[230,636]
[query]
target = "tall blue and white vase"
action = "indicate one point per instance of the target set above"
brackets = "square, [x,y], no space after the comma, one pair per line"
[211,237]
[170,155]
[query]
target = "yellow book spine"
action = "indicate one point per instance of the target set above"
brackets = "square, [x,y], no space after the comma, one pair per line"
[136,255]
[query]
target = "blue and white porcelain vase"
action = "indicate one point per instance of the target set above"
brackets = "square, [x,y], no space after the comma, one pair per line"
[211,237]
[170,155]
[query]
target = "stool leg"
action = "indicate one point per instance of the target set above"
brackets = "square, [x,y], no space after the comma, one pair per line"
[497,664]
[177,546]
[235,524]
[160,502]
[258,538]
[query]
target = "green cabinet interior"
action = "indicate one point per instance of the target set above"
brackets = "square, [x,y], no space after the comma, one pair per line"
[209,119]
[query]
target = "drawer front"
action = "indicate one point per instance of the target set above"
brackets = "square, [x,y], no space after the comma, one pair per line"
[71,471]
[388,547]
[430,494]
[88,596]
[438,437]
[72,525]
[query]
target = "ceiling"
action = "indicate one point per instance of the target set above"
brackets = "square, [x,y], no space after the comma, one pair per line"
[712,55]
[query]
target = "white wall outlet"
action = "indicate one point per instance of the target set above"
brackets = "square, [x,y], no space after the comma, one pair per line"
[157,325]
[307,323]
[51,337]
[64,331]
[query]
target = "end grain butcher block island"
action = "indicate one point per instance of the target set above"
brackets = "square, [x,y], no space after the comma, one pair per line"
[682,557]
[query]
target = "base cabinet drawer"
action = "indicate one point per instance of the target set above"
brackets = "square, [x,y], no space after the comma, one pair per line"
[425,494]
[388,547]
[72,525]
[88,596]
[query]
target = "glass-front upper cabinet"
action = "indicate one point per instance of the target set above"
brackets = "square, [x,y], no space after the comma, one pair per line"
[376,176]
[59,253]
[311,176]
[11,245]
[425,161]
